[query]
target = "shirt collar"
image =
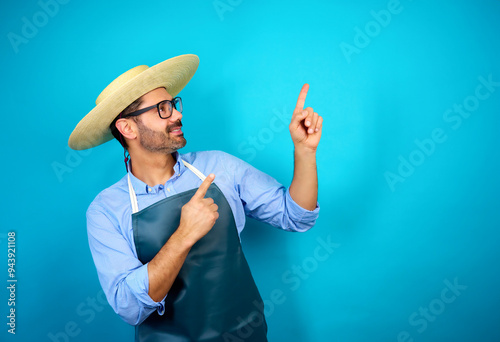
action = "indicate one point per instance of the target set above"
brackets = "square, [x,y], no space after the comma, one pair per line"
[141,188]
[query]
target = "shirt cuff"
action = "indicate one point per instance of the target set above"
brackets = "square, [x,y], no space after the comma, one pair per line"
[299,214]
[138,281]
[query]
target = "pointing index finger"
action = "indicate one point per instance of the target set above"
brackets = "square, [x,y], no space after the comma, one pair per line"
[202,190]
[302,98]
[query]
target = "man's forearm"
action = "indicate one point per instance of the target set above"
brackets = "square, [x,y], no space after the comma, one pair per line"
[165,266]
[304,187]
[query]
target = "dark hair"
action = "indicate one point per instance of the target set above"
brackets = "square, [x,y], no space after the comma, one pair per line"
[116,133]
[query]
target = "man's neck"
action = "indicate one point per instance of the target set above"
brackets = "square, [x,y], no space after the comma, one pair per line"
[153,168]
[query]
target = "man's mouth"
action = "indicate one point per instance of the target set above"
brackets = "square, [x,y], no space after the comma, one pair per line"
[176,131]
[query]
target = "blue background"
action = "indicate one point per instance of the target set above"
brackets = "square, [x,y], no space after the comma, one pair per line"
[397,243]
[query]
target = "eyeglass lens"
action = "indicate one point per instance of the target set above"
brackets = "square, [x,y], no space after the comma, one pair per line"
[165,107]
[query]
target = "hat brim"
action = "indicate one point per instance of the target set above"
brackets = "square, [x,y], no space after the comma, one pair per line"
[172,74]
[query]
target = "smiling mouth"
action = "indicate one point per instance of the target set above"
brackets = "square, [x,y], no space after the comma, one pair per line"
[176,130]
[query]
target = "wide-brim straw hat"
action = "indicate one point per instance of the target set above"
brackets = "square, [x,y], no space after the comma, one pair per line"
[172,74]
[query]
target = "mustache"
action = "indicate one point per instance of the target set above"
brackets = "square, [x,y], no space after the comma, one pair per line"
[177,124]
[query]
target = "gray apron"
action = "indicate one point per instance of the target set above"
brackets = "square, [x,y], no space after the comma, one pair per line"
[214,298]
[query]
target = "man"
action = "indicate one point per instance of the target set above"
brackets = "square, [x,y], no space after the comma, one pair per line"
[165,238]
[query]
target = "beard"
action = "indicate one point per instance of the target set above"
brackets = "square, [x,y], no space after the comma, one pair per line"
[160,142]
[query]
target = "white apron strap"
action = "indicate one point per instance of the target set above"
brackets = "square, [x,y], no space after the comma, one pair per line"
[195,170]
[133,197]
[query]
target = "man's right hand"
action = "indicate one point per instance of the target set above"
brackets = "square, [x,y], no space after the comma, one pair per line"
[198,215]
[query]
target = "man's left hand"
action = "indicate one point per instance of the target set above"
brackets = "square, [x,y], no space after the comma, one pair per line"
[305,127]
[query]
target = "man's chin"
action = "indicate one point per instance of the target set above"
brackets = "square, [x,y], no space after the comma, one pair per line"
[181,142]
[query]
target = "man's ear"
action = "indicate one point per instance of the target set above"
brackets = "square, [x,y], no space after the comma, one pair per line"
[127,128]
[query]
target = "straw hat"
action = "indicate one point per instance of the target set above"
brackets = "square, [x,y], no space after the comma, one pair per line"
[173,74]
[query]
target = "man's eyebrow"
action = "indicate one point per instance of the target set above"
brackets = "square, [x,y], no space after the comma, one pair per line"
[170,99]
[157,101]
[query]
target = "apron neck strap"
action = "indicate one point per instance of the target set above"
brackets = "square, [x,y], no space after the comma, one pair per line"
[133,197]
[195,170]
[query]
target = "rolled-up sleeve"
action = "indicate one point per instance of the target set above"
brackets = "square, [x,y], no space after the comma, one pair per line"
[306,218]
[266,200]
[123,277]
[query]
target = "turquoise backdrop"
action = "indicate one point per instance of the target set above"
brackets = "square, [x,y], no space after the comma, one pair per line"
[406,247]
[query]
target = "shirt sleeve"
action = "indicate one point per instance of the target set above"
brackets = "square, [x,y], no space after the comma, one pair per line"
[123,277]
[265,199]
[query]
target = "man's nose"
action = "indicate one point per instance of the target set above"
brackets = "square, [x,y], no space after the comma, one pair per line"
[176,115]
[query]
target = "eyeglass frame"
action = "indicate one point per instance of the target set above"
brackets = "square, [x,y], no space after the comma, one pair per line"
[144,110]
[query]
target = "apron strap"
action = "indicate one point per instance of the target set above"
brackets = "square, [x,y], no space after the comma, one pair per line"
[195,170]
[133,197]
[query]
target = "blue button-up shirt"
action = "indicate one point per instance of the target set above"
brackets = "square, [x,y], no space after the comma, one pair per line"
[248,191]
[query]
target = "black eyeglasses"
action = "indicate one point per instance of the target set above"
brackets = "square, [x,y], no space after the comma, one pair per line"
[164,108]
